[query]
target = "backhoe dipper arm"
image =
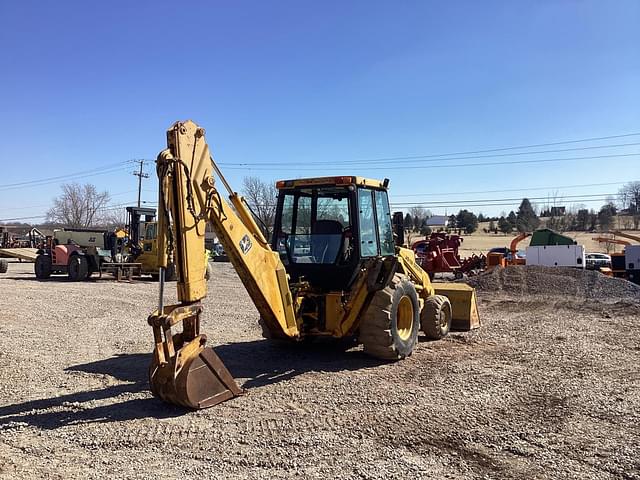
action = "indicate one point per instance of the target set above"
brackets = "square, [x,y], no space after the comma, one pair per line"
[183,371]
[189,193]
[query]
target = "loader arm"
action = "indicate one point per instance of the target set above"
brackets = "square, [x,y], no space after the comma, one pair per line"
[183,370]
[618,233]
[407,260]
[611,240]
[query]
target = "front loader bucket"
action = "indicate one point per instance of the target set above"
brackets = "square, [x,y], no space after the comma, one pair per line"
[464,304]
[187,373]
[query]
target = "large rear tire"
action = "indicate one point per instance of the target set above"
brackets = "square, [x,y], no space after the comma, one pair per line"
[389,327]
[4,266]
[42,267]
[435,319]
[78,268]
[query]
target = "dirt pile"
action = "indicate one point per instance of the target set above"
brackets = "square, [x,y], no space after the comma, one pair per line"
[556,281]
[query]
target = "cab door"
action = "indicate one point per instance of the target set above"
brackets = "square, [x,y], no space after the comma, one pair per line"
[149,240]
[374,222]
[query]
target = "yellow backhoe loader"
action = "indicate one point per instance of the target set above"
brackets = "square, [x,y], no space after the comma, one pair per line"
[331,270]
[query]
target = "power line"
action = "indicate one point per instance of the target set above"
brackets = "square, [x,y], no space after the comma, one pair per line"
[560,198]
[431,158]
[469,152]
[62,177]
[548,144]
[106,208]
[431,194]
[4,209]
[66,177]
[505,204]
[480,164]
[21,218]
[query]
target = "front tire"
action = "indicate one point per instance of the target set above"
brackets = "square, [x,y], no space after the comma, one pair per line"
[389,327]
[42,267]
[4,266]
[435,319]
[78,268]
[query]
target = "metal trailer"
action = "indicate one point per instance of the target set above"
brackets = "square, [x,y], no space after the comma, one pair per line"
[22,254]
[556,256]
[632,263]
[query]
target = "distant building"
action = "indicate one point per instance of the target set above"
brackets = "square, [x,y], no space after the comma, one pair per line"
[438,221]
[558,211]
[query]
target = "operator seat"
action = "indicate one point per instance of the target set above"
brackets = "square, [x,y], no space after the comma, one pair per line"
[326,241]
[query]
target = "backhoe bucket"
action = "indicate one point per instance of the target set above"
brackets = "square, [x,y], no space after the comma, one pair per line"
[464,304]
[187,373]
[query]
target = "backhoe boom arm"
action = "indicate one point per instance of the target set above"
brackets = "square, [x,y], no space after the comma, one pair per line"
[184,371]
[189,192]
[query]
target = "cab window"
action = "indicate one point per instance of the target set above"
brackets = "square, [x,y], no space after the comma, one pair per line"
[368,237]
[150,231]
[314,226]
[383,215]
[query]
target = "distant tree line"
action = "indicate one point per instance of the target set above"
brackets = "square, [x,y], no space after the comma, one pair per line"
[415,220]
[84,206]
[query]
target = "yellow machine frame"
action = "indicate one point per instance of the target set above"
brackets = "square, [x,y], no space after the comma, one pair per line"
[183,371]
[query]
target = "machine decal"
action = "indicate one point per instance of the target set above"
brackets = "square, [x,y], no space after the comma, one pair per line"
[245,244]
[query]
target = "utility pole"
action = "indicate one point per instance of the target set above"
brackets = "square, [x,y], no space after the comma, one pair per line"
[140,176]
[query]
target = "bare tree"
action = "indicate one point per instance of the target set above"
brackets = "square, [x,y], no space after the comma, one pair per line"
[630,198]
[78,206]
[418,214]
[113,217]
[261,197]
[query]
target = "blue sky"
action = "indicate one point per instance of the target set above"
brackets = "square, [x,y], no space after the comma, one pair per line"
[311,86]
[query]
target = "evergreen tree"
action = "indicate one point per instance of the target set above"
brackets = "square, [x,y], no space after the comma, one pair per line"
[417,221]
[467,221]
[605,216]
[504,225]
[526,218]
[408,222]
[582,220]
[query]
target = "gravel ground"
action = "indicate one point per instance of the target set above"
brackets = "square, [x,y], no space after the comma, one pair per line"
[548,388]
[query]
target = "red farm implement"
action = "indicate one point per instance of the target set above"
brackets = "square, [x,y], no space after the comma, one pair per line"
[438,253]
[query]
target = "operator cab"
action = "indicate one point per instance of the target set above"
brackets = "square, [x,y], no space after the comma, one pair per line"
[326,227]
